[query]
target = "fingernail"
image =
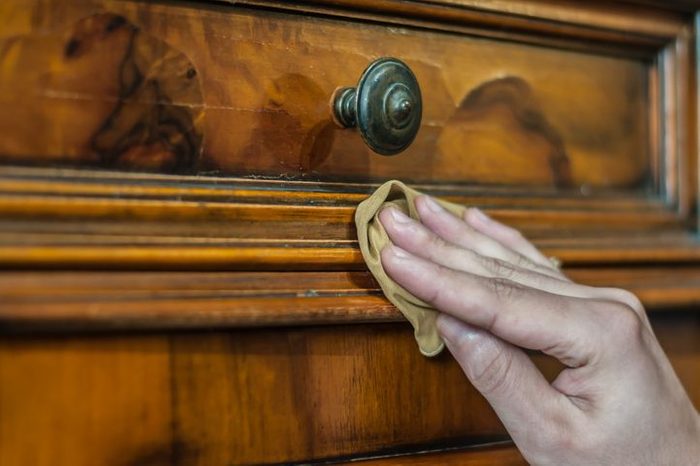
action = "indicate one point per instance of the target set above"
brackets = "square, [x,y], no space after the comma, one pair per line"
[452,330]
[432,205]
[481,216]
[398,216]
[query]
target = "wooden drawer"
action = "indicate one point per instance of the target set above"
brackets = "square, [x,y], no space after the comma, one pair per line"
[252,396]
[571,122]
[233,91]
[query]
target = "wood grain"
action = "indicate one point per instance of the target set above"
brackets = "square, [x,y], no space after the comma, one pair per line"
[99,221]
[323,393]
[85,401]
[574,122]
[541,22]
[256,111]
[223,397]
[69,301]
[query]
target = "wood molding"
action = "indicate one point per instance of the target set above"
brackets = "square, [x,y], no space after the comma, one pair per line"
[504,454]
[621,29]
[79,301]
[64,218]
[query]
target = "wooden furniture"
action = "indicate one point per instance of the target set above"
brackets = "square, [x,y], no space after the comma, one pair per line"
[180,280]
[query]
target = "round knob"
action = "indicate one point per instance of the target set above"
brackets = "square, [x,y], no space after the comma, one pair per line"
[385,106]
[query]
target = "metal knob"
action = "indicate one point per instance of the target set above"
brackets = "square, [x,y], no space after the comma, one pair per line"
[385,106]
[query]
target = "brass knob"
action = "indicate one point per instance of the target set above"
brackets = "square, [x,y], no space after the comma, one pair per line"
[385,106]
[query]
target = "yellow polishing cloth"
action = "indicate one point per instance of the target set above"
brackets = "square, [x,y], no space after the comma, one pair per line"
[373,238]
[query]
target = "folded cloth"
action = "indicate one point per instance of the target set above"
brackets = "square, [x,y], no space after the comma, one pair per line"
[373,238]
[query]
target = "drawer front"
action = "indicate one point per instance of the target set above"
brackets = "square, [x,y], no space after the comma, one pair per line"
[573,123]
[251,397]
[199,89]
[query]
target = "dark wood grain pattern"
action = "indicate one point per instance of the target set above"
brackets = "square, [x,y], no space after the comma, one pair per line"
[120,98]
[256,102]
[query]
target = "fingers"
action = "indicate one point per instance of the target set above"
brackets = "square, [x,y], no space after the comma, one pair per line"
[506,377]
[507,236]
[456,231]
[524,316]
[415,238]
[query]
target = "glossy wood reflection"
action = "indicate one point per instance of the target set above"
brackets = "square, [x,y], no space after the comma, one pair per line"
[226,90]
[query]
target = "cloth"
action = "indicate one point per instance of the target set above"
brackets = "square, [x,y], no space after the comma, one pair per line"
[373,239]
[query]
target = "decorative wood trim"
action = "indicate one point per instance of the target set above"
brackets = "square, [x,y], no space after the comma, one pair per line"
[138,222]
[504,454]
[629,28]
[70,301]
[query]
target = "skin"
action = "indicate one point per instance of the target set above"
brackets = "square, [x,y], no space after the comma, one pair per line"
[618,401]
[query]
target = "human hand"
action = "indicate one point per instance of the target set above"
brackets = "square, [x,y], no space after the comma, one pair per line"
[618,401]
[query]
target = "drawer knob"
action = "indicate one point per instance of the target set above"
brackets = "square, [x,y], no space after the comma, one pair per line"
[385,106]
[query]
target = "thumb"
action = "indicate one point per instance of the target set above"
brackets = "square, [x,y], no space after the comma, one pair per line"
[525,402]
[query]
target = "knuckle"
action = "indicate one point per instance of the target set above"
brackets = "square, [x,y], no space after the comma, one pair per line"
[624,324]
[502,288]
[438,294]
[435,246]
[514,235]
[498,268]
[495,374]
[630,299]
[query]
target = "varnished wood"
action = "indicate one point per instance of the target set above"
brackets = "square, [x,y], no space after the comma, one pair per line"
[85,402]
[501,455]
[575,122]
[68,301]
[231,113]
[531,22]
[222,397]
[96,220]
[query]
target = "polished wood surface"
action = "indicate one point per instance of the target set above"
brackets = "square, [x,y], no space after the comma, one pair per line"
[252,396]
[98,301]
[213,90]
[180,281]
[84,401]
[501,455]
[68,218]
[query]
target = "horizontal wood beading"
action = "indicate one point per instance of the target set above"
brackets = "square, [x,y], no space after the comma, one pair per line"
[69,301]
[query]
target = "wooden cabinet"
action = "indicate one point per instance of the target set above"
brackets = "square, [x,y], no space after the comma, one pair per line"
[180,279]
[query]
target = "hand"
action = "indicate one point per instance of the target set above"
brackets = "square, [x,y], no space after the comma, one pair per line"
[617,402]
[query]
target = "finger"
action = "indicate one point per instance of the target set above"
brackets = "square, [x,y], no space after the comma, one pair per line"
[507,378]
[534,319]
[507,236]
[419,240]
[415,238]
[456,231]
